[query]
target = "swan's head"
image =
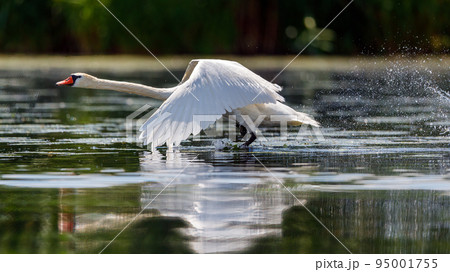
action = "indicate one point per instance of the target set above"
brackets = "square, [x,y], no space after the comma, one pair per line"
[79,80]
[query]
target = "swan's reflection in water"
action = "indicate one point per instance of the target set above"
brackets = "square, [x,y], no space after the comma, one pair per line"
[241,208]
[226,202]
[225,213]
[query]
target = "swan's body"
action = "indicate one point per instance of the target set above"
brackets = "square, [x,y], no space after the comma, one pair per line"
[212,88]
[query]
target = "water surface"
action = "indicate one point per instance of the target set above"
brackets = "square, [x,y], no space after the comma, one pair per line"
[379,178]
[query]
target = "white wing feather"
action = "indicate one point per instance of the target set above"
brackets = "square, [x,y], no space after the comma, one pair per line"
[214,88]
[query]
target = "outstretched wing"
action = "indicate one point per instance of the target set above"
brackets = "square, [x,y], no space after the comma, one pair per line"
[211,88]
[189,70]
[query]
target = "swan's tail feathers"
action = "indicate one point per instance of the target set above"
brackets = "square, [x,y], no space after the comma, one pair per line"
[304,119]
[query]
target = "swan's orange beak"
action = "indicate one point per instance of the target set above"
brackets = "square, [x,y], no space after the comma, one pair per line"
[67,81]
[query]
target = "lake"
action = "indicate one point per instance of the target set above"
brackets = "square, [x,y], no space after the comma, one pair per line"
[374,179]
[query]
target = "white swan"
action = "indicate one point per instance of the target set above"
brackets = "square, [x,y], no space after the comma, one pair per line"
[212,88]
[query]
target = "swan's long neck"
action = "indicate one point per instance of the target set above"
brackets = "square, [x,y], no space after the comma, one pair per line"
[133,88]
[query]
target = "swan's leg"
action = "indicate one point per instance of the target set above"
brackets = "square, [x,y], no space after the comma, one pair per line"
[250,141]
[242,129]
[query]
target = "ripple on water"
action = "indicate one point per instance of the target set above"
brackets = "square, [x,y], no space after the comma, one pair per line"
[370,176]
[318,181]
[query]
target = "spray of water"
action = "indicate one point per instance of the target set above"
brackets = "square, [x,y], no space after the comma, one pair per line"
[407,89]
[424,82]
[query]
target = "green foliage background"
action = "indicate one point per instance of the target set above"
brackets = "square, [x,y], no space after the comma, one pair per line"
[224,26]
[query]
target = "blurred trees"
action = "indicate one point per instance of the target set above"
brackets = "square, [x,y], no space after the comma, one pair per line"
[224,26]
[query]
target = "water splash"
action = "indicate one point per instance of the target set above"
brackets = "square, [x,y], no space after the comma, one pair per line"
[406,88]
[223,144]
[441,93]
